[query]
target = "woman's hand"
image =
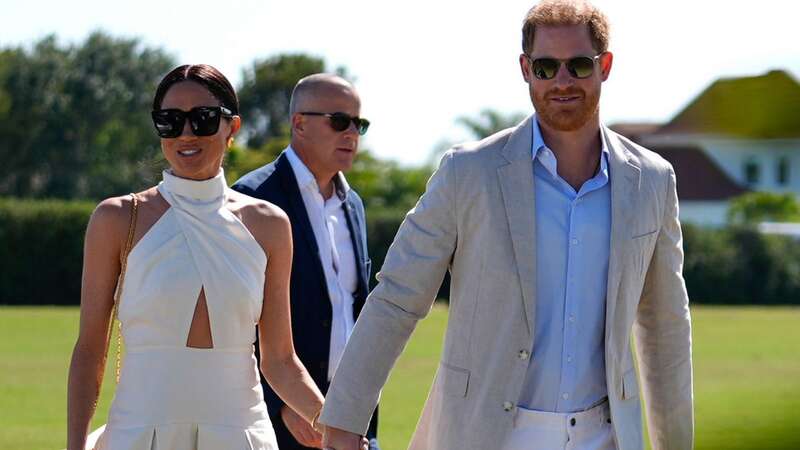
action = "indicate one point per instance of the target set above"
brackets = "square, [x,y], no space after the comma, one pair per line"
[300,429]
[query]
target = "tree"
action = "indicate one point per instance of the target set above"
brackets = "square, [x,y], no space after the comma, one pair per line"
[265,92]
[241,160]
[755,207]
[489,122]
[385,184]
[76,120]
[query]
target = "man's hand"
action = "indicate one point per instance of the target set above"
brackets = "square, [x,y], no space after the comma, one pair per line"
[300,429]
[336,439]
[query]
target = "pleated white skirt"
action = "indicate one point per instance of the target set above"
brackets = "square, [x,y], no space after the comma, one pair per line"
[188,399]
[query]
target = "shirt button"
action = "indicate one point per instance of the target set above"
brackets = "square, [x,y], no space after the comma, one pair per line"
[508,406]
[572,318]
[569,358]
[523,354]
[565,396]
[574,242]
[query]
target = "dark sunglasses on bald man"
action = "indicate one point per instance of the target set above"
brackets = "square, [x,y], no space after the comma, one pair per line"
[340,121]
[578,67]
[203,120]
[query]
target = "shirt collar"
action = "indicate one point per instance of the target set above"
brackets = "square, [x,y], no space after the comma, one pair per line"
[306,180]
[548,158]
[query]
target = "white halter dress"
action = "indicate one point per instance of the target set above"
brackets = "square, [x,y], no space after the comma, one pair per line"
[170,396]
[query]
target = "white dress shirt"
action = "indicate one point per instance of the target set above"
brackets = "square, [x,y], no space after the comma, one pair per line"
[336,251]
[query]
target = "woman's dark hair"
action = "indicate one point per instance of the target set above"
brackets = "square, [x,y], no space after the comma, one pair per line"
[208,76]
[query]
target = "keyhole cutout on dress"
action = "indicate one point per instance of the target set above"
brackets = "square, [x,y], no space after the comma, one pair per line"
[200,330]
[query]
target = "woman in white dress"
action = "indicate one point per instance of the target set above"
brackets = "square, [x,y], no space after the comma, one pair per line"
[196,285]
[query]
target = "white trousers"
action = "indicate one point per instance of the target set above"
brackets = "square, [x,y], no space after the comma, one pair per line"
[585,430]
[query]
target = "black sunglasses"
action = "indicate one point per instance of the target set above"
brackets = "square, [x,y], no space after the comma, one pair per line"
[340,121]
[204,120]
[578,67]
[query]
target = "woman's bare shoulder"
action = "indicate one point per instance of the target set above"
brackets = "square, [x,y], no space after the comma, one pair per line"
[266,221]
[112,212]
[113,215]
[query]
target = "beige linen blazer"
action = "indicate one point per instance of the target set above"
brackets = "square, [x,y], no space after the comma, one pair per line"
[477,219]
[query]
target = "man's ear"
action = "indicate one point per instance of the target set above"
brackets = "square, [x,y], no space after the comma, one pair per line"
[525,67]
[606,61]
[298,123]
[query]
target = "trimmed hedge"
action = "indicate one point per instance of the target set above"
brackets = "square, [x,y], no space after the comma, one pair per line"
[739,265]
[382,225]
[41,251]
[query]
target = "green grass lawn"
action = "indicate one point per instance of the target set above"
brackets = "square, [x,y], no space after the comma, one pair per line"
[747,378]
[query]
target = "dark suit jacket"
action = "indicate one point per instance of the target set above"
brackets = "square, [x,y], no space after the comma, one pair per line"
[310,304]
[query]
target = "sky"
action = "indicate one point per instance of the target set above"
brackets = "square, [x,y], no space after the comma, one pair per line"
[419,65]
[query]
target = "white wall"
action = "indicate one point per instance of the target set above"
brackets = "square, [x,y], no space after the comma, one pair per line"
[731,155]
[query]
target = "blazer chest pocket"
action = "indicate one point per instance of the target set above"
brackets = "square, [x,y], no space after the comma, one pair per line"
[630,387]
[454,380]
[641,247]
[644,234]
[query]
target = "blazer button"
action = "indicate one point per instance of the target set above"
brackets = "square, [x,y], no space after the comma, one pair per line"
[508,406]
[523,354]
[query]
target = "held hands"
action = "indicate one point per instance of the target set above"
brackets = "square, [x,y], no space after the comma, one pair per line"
[300,429]
[336,439]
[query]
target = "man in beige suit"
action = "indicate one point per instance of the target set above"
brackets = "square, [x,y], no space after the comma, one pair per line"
[562,240]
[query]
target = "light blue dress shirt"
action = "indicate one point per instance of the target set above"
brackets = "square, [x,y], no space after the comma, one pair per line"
[573,230]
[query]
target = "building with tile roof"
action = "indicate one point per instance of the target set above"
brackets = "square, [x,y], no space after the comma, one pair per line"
[738,135]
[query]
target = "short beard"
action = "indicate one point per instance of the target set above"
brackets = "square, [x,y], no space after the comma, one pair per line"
[561,120]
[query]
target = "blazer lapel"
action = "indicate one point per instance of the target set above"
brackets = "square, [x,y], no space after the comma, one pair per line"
[356,231]
[299,218]
[515,174]
[624,177]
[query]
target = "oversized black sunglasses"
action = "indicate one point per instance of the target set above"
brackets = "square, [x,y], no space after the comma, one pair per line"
[340,121]
[204,120]
[578,67]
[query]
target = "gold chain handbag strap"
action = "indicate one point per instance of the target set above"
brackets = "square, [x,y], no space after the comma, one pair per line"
[118,293]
